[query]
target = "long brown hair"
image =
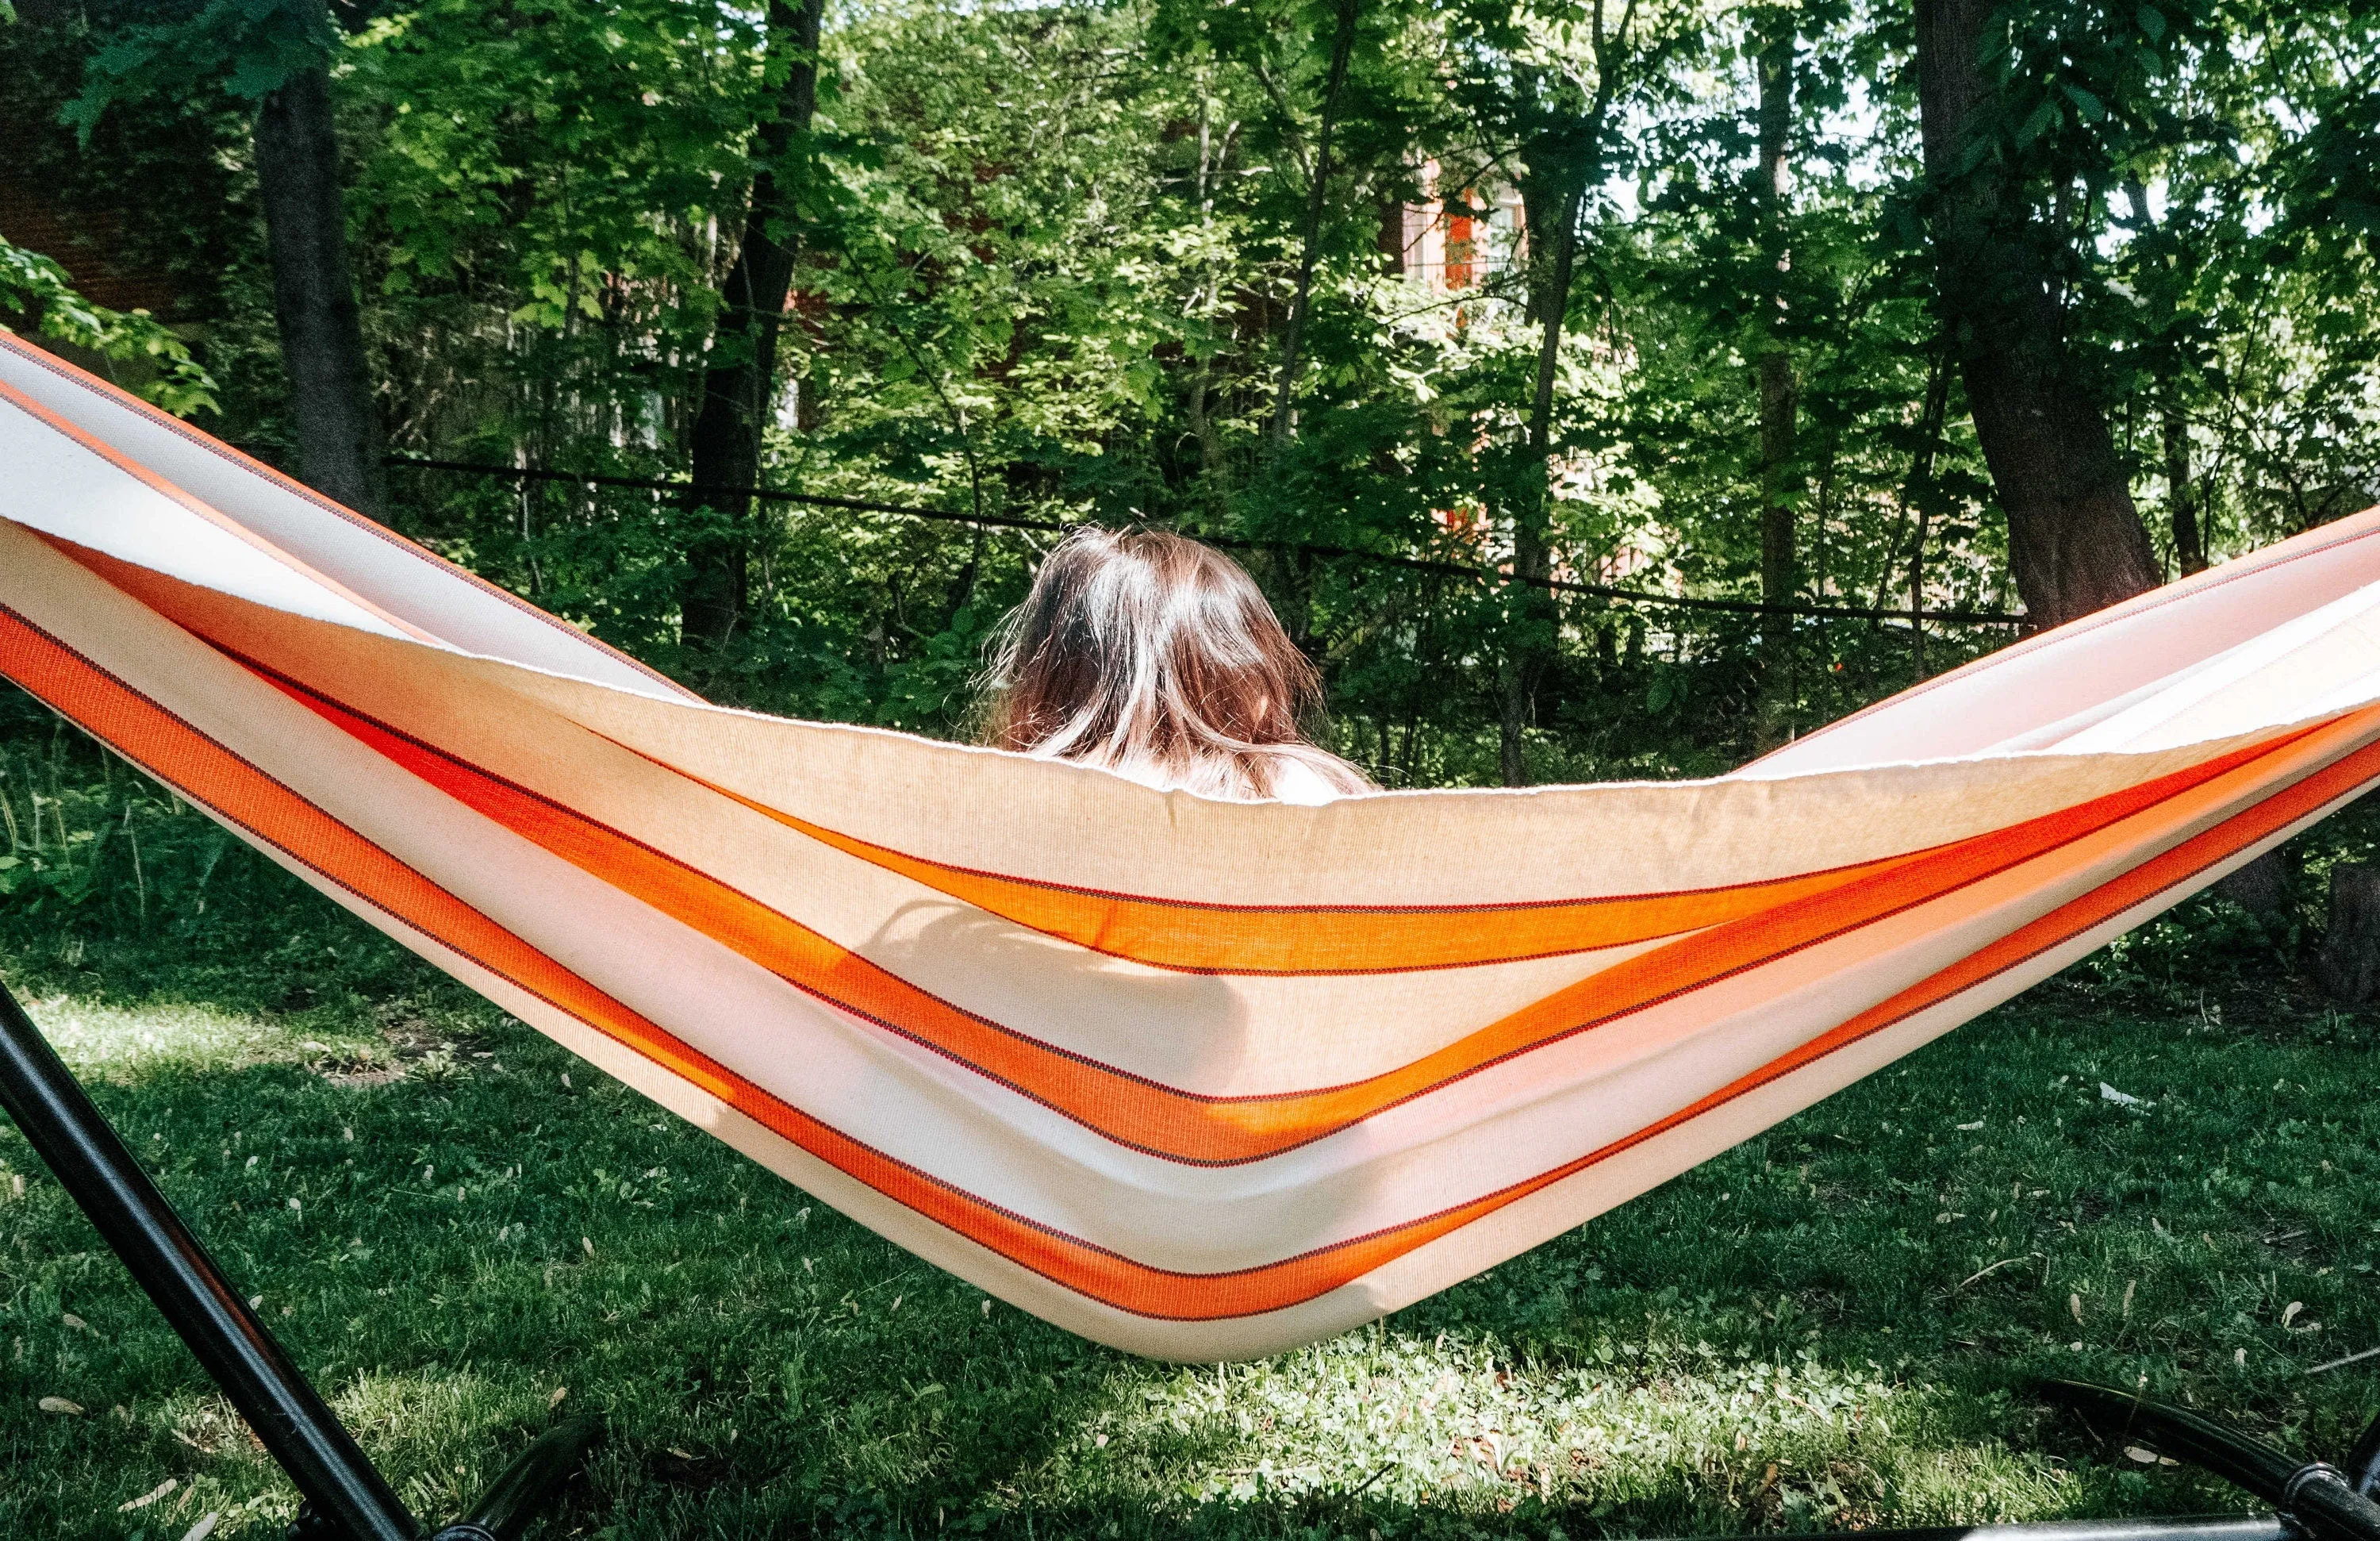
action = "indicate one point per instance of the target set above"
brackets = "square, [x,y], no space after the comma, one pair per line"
[1158,657]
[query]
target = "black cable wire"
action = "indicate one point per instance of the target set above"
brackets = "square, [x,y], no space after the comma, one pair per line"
[1413,563]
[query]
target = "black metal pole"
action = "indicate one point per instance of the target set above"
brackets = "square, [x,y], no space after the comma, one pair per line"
[2364,1462]
[2318,1497]
[2262,1527]
[523,1493]
[168,1262]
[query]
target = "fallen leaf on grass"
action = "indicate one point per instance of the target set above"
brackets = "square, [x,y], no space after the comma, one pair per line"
[60,1406]
[555,1400]
[204,1528]
[2123,1099]
[145,1500]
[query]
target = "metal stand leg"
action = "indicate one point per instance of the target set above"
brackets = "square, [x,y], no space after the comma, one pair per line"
[343,1490]
[2364,1462]
[168,1262]
[516,1499]
[2315,1497]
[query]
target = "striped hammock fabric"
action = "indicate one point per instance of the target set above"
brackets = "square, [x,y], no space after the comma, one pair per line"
[1196,1079]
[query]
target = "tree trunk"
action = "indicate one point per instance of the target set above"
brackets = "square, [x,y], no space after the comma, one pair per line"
[2348,968]
[1560,161]
[1529,650]
[315,306]
[1780,403]
[2266,886]
[1920,498]
[740,380]
[2075,540]
[2189,540]
[1342,49]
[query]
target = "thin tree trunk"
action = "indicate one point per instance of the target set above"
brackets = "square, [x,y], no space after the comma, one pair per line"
[740,380]
[2189,538]
[1293,359]
[2189,541]
[1529,650]
[1921,495]
[1560,163]
[2075,540]
[1202,384]
[1779,405]
[315,306]
[1553,194]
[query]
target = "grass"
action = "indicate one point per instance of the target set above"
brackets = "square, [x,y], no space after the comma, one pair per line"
[451,1221]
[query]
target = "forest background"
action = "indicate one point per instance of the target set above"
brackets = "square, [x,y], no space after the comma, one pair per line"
[1275,273]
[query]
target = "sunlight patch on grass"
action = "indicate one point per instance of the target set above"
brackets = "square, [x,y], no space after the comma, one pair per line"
[105,1041]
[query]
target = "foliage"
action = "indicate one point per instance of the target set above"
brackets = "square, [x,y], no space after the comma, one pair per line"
[1047,255]
[32,285]
[251,46]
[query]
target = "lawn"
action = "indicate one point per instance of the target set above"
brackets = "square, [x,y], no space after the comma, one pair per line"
[459,1229]
[454,1225]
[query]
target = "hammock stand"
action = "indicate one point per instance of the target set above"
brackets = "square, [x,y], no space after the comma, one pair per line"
[345,1498]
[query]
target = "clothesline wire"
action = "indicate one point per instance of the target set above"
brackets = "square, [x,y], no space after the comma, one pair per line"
[1387,559]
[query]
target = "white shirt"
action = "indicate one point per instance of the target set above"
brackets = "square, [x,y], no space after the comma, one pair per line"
[1294,782]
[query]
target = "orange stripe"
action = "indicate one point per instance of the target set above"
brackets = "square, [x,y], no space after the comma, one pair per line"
[179,754]
[1186,936]
[1270,940]
[1183,1126]
[1257,939]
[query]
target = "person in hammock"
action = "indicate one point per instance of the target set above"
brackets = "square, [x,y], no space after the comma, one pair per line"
[1156,657]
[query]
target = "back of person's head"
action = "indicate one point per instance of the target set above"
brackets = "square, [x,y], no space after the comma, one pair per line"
[1158,657]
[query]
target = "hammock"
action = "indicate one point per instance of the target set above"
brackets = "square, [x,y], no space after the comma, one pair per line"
[1196,1079]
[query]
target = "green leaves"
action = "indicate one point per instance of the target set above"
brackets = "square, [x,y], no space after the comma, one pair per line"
[2041,121]
[1045,255]
[34,286]
[251,46]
